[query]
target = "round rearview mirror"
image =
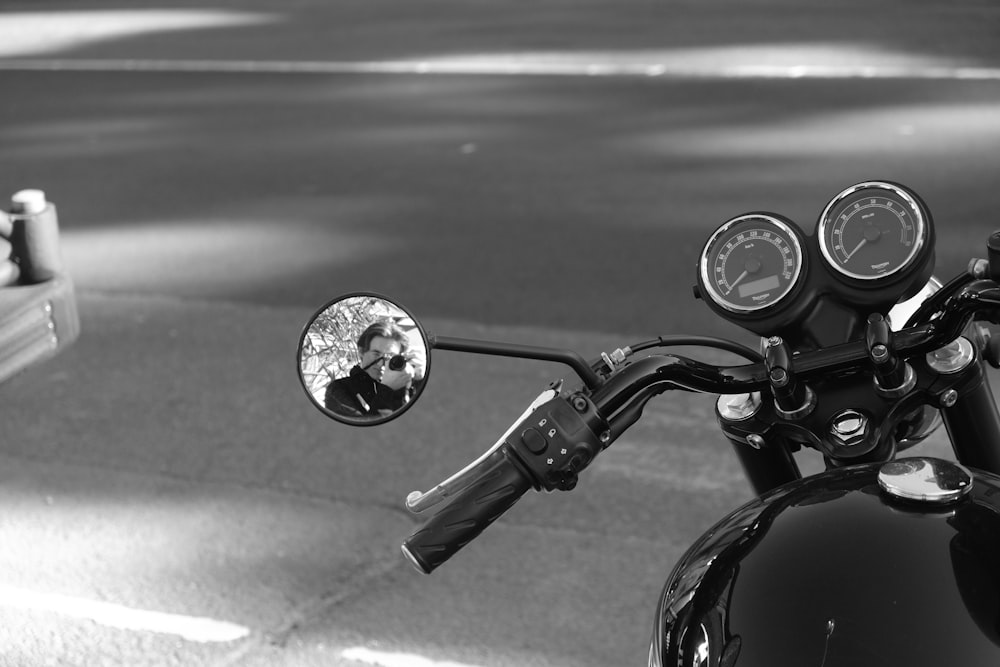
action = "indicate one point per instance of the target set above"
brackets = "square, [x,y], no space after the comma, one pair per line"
[363,359]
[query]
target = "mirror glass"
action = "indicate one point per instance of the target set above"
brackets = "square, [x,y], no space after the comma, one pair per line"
[363,359]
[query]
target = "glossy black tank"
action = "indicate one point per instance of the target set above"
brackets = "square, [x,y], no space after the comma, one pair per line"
[833,571]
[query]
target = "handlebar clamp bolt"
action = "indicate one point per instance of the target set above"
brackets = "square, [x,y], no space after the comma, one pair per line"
[949,398]
[579,403]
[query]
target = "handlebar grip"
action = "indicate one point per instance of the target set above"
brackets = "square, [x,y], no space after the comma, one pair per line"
[469,513]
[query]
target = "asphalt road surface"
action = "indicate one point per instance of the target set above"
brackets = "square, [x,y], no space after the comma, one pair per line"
[543,175]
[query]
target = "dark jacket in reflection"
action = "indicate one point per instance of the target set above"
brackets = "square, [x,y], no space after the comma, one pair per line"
[360,395]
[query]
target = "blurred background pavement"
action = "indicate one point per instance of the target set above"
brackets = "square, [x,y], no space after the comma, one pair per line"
[542,173]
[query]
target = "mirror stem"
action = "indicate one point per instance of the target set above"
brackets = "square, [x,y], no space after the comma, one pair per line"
[571,359]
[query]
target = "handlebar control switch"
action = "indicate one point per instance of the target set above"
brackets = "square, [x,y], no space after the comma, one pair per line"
[792,399]
[893,378]
[534,441]
[558,440]
[546,448]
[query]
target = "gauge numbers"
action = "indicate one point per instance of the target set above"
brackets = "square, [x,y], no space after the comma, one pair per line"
[871,231]
[751,263]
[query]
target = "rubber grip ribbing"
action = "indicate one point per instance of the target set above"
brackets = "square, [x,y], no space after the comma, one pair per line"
[469,513]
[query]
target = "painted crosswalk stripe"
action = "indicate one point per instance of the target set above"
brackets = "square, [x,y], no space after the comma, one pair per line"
[191,628]
[383,659]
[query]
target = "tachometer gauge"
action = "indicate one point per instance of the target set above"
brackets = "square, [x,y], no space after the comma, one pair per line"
[751,263]
[873,230]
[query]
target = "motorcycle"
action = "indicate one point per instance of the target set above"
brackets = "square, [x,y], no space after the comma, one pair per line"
[882,558]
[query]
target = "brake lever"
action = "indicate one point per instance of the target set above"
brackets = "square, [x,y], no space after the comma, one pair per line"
[418,501]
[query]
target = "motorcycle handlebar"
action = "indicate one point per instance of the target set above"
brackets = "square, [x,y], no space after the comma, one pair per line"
[503,483]
[578,431]
[978,298]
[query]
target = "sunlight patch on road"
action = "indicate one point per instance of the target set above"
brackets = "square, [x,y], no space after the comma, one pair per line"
[383,659]
[191,256]
[788,60]
[905,129]
[741,61]
[38,33]
[191,628]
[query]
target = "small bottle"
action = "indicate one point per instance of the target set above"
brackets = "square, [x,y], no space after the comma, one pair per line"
[35,236]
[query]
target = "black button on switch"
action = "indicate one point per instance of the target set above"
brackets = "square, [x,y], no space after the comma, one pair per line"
[534,441]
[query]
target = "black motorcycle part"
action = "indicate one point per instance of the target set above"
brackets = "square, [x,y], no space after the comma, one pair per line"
[768,467]
[469,513]
[889,369]
[559,440]
[973,424]
[751,264]
[567,357]
[828,307]
[993,254]
[880,222]
[832,570]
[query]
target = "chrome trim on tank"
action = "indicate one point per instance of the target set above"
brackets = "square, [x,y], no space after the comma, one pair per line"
[925,479]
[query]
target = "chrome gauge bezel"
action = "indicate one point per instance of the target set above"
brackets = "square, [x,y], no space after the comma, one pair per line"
[827,220]
[705,263]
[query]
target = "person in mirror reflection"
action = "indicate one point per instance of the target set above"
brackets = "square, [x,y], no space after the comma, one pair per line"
[374,387]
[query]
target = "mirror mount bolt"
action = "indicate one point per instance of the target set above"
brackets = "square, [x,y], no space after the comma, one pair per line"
[893,377]
[792,399]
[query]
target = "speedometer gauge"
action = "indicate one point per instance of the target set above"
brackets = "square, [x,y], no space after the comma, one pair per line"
[873,230]
[751,263]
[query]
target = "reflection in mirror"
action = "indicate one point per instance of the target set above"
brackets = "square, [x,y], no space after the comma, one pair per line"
[363,359]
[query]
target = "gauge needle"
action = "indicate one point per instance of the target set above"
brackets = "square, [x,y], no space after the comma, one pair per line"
[737,282]
[857,248]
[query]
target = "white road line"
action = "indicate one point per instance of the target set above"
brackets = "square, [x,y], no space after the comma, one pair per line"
[383,659]
[516,66]
[191,628]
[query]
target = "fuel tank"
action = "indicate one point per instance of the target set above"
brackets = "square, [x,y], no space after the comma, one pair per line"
[879,564]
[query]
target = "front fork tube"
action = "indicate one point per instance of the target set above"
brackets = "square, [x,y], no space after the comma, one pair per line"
[766,467]
[973,423]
